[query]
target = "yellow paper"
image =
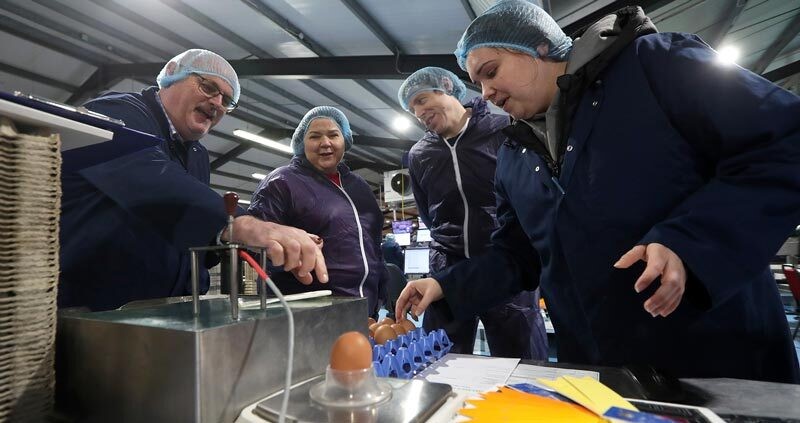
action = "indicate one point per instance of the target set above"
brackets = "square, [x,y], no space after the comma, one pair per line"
[589,393]
[566,389]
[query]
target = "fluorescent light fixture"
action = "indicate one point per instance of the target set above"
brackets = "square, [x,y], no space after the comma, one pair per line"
[244,202]
[729,54]
[401,123]
[258,176]
[241,133]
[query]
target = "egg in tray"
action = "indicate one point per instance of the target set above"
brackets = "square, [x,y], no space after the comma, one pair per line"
[401,350]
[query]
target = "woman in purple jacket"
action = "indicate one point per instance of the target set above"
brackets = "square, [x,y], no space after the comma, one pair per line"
[319,193]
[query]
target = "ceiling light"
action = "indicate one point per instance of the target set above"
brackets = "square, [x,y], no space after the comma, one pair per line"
[258,176]
[263,141]
[401,123]
[729,54]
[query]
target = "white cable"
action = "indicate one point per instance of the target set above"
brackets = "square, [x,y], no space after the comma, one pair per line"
[285,402]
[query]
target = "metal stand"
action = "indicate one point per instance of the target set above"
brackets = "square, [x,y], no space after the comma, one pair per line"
[233,275]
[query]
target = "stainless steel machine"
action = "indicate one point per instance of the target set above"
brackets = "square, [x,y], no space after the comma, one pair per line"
[199,360]
[163,363]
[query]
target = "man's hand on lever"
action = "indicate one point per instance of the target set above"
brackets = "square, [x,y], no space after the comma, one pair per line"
[294,249]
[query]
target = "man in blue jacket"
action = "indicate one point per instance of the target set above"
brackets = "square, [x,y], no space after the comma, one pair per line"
[452,176]
[127,222]
[645,188]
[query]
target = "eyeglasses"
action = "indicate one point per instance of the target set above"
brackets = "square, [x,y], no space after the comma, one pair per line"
[211,90]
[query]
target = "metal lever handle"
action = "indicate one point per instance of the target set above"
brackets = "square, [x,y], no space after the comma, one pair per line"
[231,200]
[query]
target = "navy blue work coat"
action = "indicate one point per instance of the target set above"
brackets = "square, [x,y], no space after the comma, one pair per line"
[127,223]
[667,146]
[453,184]
[347,218]
[436,191]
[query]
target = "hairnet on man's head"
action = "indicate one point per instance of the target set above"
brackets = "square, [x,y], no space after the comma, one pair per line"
[430,79]
[321,112]
[518,25]
[202,62]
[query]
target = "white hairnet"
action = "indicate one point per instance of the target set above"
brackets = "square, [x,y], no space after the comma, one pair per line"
[518,25]
[202,62]
[430,79]
[326,112]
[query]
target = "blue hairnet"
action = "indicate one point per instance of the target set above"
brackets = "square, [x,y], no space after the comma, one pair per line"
[518,25]
[327,112]
[430,79]
[203,62]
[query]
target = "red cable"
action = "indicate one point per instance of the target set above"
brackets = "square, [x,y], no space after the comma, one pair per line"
[252,262]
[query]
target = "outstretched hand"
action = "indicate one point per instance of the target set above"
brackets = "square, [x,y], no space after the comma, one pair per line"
[663,262]
[295,249]
[416,297]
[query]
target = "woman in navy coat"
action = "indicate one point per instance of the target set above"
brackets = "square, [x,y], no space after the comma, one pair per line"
[644,187]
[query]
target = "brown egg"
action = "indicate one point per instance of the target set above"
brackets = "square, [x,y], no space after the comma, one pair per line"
[384,333]
[351,351]
[370,321]
[408,325]
[373,327]
[388,321]
[399,329]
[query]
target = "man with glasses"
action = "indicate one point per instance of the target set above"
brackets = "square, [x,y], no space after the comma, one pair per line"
[127,223]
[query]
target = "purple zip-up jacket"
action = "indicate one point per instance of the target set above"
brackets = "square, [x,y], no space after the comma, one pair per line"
[436,191]
[299,195]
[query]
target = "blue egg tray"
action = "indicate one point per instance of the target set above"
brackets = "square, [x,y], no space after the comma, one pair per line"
[409,354]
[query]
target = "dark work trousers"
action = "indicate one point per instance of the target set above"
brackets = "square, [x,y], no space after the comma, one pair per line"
[514,329]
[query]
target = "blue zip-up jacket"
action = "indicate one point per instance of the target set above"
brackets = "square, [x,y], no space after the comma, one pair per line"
[670,146]
[299,195]
[453,184]
[127,223]
[437,192]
